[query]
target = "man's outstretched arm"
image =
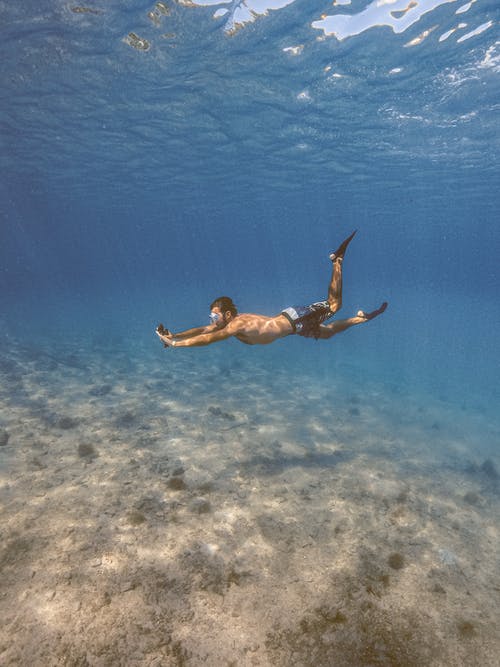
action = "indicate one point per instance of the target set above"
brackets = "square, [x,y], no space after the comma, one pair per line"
[196,340]
[190,333]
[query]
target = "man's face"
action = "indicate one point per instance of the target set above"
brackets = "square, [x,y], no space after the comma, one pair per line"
[217,317]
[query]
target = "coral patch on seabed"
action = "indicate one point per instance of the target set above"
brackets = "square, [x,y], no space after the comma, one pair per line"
[243,524]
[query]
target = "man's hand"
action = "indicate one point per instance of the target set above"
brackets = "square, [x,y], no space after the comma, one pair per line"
[165,336]
[161,330]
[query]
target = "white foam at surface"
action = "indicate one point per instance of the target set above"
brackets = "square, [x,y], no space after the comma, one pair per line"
[491,58]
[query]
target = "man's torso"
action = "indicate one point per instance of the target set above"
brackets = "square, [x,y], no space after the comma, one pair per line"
[258,329]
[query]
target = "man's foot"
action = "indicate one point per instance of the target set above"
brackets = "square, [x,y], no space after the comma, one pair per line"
[339,253]
[374,313]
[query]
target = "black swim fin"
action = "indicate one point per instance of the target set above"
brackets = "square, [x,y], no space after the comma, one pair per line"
[339,253]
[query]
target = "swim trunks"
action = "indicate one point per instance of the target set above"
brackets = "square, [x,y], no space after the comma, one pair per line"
[306,320]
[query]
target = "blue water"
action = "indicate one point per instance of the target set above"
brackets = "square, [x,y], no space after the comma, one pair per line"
[155,156]
[137,185]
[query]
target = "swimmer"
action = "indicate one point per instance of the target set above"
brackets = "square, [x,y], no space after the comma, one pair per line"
[254,329]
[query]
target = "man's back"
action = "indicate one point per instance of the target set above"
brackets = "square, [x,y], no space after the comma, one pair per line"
[254,329]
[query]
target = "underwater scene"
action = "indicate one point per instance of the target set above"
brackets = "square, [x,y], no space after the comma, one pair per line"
[293,490]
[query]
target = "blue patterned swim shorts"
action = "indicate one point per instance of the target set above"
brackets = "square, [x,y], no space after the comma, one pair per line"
[306,320]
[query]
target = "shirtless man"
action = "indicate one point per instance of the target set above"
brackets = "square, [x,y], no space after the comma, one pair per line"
[254,329]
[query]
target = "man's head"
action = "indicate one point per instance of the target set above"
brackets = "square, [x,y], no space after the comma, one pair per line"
[222,311]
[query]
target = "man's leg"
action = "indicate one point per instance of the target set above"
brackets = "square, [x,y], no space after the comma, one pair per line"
[329,330]
[335,287]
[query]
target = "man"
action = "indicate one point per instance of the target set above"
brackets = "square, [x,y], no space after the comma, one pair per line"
[254,329]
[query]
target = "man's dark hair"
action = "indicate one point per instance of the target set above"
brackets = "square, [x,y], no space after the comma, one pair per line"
[225,304]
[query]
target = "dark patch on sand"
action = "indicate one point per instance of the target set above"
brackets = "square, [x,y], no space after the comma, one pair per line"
[87,451]
[396,561]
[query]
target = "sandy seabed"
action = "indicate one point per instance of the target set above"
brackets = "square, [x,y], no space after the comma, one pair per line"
[188,510]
